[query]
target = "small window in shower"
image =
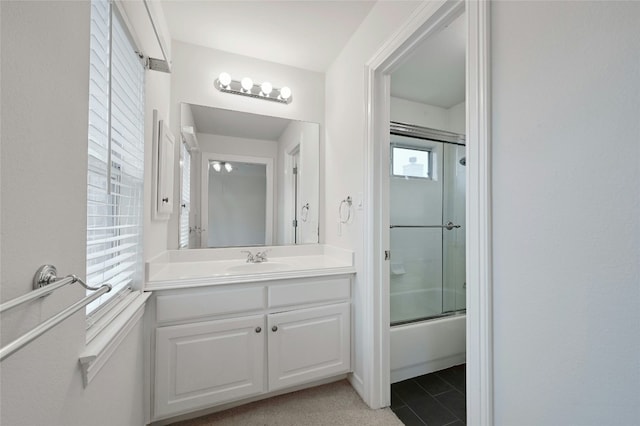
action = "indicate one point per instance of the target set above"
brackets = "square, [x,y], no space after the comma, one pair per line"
[410,162]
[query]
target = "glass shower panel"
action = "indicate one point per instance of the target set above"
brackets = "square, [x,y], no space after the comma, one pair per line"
[416,274]
[453,242]
[416,238]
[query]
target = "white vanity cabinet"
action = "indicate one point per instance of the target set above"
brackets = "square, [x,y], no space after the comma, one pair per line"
[225,343]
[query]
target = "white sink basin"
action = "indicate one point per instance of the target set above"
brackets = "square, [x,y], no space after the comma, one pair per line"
[248,268]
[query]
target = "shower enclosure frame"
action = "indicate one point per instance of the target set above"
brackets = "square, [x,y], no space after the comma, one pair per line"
[427,19]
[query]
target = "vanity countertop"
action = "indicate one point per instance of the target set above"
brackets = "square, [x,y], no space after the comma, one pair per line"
[197,268]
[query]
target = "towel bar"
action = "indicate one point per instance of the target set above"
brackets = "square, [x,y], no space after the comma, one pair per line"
[45,282]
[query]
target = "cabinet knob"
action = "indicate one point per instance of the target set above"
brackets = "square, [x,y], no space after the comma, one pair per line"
[165,200]
[258,329]
[274,328]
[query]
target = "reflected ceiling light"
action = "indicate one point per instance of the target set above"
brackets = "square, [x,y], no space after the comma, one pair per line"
[218,165]
[246,87]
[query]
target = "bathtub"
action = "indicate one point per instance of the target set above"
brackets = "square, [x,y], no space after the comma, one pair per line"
[423,347]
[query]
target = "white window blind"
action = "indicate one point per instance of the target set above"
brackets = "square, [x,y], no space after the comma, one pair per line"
[185,196]
[116,156]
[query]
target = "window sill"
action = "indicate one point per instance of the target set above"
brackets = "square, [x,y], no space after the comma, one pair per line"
[103,345]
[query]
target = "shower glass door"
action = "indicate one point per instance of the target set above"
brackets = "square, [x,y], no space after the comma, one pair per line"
[427,196]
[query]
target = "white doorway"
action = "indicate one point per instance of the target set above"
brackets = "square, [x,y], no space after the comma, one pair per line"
[428,20]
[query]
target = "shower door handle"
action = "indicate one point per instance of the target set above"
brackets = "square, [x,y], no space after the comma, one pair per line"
[449,226]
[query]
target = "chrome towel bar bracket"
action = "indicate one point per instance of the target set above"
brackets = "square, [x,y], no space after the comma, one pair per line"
[47,274]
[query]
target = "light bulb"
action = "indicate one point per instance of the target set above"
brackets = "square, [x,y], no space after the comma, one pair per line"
[247,84]
[224,79]
[216,166]
[285,93]
[266,88]
[228,167]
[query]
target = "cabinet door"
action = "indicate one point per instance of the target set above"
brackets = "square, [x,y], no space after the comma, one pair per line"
[308,344]
[203,364]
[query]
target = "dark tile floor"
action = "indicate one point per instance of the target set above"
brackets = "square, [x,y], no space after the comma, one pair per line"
[435,399]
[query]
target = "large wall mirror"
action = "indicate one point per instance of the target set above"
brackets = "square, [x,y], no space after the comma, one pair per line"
[247,179]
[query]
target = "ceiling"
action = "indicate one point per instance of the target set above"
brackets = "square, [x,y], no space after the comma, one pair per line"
[238,124]
[310,34]
[304,33]
[435,72]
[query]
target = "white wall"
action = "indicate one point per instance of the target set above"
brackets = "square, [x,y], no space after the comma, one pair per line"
[410,112]
[44,104]
[231,145]
[566,209]
[194,70]
[457,118]
[417,113]
[345,142]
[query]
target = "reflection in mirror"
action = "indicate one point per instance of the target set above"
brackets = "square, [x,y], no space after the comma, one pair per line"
[253,180]
[237,200]
[240,199]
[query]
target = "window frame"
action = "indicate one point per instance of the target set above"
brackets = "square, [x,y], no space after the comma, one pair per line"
[98,317]
[429,164]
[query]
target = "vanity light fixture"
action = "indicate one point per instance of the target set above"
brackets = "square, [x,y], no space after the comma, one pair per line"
[246,87]
[216,166]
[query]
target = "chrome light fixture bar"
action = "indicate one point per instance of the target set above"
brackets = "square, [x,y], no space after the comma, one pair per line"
[246,87]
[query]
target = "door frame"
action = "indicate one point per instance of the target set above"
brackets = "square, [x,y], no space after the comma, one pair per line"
[428,19]
[290,203]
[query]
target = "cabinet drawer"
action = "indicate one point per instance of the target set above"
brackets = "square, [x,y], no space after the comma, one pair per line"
[322,290]
[178,307]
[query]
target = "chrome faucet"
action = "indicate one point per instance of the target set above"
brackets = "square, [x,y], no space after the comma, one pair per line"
[259,257]
[250,257]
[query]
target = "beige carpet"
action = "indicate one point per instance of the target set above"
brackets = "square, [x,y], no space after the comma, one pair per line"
[333,404]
